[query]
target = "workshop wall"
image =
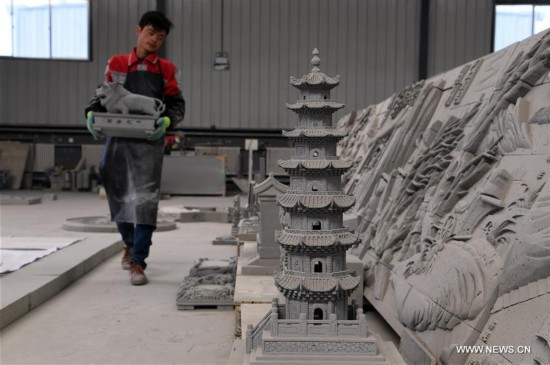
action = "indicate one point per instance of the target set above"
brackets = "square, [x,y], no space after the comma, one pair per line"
[372,44]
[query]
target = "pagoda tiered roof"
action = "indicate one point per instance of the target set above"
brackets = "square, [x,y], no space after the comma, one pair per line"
[307,200]
[315,79]
[303,106]
[317,164]
[316,133]
[316,283]
[296,238]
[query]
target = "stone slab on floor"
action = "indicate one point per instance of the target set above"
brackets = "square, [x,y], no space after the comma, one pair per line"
[238,352]
[253,288]
[19,200]
[249,313]
[32,285]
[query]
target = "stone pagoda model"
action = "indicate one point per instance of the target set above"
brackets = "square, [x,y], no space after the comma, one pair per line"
[314,320]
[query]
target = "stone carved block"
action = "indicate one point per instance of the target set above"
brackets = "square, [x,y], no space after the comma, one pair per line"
[211,283]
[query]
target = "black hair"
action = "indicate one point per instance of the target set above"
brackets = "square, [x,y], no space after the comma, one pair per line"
[157,20]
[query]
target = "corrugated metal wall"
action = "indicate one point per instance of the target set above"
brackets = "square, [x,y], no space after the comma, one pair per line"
[372,44]
[43,157]
[459,31]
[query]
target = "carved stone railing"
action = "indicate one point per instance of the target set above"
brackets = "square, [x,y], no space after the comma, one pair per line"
[320,328]
[254,334]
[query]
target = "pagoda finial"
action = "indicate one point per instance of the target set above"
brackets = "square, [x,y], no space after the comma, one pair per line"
[315,61]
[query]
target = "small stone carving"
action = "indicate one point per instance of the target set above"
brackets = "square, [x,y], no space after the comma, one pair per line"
[211,283]
[267,259]
[116,99]
[232,238]
[248,228]
[235,216]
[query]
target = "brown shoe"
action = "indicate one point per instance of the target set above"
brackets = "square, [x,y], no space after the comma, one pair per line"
[137,276]
[125,263]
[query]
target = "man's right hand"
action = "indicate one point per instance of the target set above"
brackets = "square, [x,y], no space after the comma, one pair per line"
[89,124]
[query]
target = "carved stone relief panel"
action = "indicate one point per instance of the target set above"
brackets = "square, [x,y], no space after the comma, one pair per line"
[463,82]
[453,200]
[485,80]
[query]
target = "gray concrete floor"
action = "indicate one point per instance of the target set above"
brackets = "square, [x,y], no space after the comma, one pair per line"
[101,318]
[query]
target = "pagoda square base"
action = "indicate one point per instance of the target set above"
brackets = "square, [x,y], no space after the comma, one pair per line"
[386,354]
[319,345]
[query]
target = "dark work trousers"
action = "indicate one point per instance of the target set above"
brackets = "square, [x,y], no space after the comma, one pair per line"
[138,238]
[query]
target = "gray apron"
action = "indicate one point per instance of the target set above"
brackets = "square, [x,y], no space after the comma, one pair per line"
[130,168]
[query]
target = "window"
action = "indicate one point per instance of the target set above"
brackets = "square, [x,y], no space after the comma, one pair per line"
[318,266]
[44,29]
[316,226]
[514,22]
[318,314]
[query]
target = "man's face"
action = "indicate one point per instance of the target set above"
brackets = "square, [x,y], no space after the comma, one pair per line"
[149,39]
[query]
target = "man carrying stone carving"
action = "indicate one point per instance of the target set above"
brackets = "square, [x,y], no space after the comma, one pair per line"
[130,169]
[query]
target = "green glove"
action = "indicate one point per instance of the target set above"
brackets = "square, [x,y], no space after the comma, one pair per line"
[162,125]
[89,124]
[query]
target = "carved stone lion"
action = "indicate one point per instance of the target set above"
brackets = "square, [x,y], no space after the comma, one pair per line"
[116,99]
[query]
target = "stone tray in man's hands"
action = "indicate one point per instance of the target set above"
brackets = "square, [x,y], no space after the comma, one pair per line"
[124,125]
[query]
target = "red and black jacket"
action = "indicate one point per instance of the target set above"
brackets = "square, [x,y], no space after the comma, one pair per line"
[119,66]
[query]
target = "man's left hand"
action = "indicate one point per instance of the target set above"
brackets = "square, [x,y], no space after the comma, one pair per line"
[162,125]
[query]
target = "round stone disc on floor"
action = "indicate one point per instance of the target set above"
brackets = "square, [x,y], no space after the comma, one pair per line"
[104,224]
